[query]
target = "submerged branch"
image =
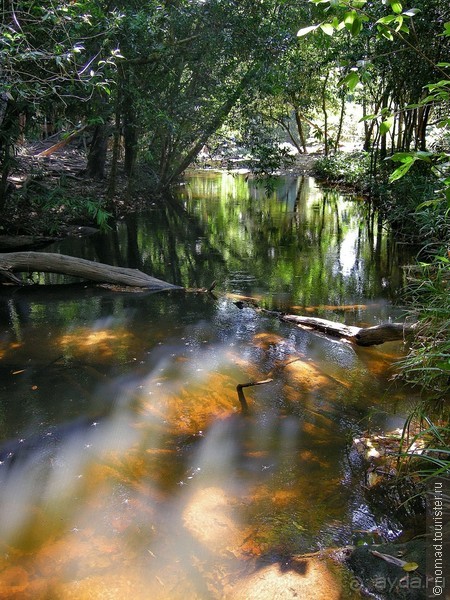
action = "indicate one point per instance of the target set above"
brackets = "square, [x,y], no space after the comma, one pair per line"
[242,399]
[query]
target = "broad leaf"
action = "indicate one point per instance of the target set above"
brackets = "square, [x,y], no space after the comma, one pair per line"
[401,171]
[305,30]
[351,80]
[387,19]
[396,6]
[386,125]
[356,26]
[327,28]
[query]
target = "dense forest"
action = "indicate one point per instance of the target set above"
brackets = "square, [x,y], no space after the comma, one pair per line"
[132,94]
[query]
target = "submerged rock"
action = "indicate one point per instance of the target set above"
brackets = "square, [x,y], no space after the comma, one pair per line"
[376,575]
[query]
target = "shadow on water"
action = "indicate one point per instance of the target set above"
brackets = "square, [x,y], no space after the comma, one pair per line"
[126,466]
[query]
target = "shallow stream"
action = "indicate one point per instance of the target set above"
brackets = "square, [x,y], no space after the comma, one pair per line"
[127,470]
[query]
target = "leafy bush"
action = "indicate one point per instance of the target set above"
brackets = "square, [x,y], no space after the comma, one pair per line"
[407,205]
[55,208]
[348,168]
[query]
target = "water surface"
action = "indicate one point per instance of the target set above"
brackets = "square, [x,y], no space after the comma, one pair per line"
[128,470]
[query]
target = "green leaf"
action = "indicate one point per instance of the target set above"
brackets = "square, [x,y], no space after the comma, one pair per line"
[386,125]
[352,22]
[401,171]
[351,80]
[356,26]
[402,157]
[327,28]
[439,84]
[396,6]
[305,30]
[399,21]
[368,118]
[387,19]
[410,566]
[349,18]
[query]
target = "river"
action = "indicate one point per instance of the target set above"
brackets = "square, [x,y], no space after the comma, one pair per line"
[127,470]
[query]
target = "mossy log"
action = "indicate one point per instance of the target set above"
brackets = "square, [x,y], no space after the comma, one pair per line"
[362,336]
[43,262]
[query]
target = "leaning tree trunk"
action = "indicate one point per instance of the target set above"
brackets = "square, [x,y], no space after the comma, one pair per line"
[30,262]
[215,122]
[301,133]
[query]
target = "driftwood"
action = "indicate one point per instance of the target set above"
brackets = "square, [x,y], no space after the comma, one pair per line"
[30,262]
[362,336]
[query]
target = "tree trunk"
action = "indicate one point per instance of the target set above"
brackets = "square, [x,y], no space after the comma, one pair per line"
[301,133]
[97,152]
[116,144]
[325,114]
[216,121]
[424,113]
[8,133]
[130,128]
[29,262]
[341,122]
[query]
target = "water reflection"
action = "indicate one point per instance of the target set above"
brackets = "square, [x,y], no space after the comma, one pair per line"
[129,467]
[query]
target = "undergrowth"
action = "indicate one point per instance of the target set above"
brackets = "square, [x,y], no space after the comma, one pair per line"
[55,207]
[346,168]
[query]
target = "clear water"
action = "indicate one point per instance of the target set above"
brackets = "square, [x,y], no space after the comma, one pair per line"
[127,469]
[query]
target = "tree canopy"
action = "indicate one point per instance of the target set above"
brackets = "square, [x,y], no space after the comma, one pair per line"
[161,78]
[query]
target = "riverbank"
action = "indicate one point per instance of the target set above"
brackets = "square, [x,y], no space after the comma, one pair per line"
[51,196]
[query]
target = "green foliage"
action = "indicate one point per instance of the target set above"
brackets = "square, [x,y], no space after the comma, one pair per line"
[348,168]
[426,437]
[55,51]
[425,446]
[58,206]
[428,361]
[204,57]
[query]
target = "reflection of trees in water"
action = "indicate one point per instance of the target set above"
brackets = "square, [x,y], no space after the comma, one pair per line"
[315,246]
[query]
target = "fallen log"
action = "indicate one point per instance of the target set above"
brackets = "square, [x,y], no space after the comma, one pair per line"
[61,143]
[43,262]
[362,336]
